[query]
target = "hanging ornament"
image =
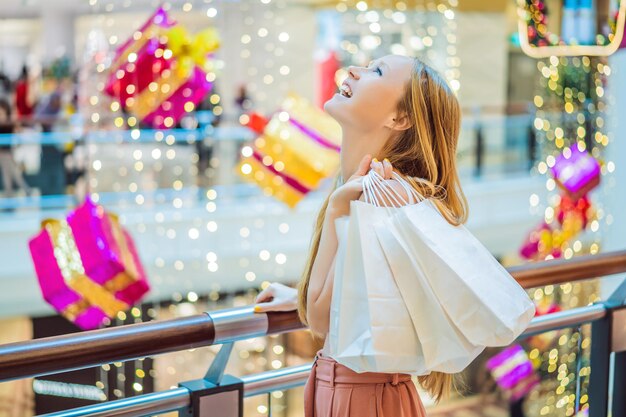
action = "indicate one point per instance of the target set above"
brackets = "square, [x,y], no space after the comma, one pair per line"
[513,372]
[87,266]
[538,244]
[297,149]
[576,171]
[573,216]
[163,72]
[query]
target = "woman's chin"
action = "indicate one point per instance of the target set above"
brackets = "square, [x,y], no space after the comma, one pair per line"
[332,105]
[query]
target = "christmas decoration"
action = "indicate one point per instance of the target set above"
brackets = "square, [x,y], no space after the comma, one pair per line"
[162,72]
[135,65]
[576,171]
[569,120]
[298,148]
[513,372]
[538,243]
[87,266]
[572,217]
[538,42]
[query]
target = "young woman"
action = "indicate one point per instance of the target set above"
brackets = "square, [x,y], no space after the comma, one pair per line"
[397,114]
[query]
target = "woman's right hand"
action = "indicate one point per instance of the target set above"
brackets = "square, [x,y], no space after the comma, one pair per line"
[276,297]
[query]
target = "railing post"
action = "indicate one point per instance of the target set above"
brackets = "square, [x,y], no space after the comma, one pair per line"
[478,168]
[600,367]
[532,145]
[215,391]
[618,347]
[618,402]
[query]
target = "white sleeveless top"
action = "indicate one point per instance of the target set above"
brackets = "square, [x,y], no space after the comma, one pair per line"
[326,348]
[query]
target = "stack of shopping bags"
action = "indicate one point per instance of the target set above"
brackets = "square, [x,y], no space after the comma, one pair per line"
[413,293]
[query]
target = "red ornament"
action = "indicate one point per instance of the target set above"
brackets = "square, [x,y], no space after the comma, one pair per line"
[569,207]
[256,122]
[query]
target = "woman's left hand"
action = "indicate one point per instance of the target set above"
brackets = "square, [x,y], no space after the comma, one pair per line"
[339,202]
[384,168]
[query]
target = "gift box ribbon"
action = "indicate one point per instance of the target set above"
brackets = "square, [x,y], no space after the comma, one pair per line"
[190,51]
[71,266]
[187,54]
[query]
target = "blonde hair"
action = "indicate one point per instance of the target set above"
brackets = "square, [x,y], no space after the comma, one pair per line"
[425,154]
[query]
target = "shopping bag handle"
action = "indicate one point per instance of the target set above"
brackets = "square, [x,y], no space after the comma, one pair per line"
[375,188]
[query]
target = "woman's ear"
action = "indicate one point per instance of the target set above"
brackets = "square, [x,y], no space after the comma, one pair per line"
[399,122]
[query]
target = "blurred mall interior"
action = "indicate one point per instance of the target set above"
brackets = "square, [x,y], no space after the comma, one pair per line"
[161,119]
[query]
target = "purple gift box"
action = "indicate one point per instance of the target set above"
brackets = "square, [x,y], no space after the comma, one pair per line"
[576,171]
[513,371]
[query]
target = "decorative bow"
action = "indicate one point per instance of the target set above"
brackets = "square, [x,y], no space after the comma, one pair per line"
[190,51]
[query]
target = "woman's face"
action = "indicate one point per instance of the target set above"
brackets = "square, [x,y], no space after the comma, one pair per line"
[368,98]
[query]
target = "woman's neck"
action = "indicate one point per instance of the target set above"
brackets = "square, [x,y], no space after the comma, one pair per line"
[355,145]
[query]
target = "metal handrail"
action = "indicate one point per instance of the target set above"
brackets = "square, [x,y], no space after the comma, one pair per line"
[142,405]
[51,355]
[291,377]
[77,351]
[559,271]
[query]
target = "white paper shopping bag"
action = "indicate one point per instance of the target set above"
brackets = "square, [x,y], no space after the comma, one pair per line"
[479,295]
[349,327]
[370,327]
[444,347]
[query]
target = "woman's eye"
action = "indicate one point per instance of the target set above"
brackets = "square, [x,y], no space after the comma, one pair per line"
[378,70]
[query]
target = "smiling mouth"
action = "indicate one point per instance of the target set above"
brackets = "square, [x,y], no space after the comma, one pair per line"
[345,90]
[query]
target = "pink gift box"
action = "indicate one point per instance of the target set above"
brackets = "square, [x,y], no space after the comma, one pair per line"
[146,67]
[531,247]
[193,90]
[133,292]
[159,18]
[88,267]
[148,58]
[138,74]
[98,249]
[56,291]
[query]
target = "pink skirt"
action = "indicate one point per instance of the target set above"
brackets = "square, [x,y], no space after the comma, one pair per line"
[334,390]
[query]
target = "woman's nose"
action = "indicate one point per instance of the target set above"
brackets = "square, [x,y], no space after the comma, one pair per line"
[353,72]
